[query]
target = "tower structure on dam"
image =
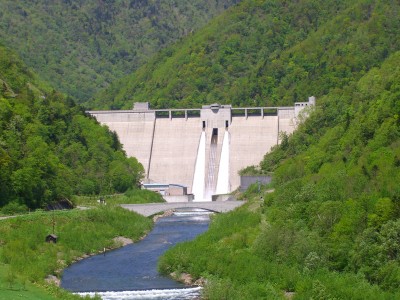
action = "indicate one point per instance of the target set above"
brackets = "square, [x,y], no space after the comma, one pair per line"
[202,149]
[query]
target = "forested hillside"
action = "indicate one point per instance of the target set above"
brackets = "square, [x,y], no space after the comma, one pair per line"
[330,229]
[265,53]
[341,182]
[81,46]
[49,148]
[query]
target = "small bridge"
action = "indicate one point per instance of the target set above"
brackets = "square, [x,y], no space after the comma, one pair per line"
[154,208]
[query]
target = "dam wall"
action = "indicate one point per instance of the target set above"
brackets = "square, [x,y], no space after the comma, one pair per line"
[135,131]
[251,138]
[287,122]
[175,145]
[214,142]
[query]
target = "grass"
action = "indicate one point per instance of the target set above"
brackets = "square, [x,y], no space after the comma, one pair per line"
[230,255]
[12,287]
[133,196]
[26,259]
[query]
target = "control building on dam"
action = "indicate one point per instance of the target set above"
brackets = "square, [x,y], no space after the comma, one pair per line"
[200,149]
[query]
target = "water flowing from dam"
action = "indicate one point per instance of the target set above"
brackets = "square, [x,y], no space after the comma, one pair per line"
[199,172]
[223,186]
[212,165]
[175,294]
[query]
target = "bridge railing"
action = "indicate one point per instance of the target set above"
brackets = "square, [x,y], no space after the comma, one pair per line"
[195,112]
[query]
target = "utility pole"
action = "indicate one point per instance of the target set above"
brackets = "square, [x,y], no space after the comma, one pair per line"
[53,221]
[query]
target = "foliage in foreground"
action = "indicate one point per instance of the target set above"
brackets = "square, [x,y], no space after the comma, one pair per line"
[239,262]
[49,148]
[29,259]
[12,287]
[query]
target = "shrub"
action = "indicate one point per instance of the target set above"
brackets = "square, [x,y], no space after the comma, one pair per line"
[13,208]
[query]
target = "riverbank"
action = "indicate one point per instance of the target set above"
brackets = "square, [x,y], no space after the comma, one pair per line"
[133,269]
[247,254]
[26,259]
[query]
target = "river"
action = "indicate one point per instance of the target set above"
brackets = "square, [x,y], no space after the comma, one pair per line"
[130,272]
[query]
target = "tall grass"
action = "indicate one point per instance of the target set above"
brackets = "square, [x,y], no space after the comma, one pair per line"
[24,250]
[132,196]
[234,262]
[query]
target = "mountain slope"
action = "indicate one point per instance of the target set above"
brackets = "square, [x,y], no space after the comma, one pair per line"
[330,230]
[265,53]
[49,148]
[341,170]
[81,46]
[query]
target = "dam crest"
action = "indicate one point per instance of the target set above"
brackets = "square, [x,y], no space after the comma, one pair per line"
[203,149]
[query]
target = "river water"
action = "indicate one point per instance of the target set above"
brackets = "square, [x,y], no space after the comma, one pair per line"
[130,272]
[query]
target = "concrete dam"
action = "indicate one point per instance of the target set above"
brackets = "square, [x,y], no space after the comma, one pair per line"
[200,149]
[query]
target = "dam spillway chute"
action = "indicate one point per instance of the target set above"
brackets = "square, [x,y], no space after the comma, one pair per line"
[223,185]
[212,166]
[199,171]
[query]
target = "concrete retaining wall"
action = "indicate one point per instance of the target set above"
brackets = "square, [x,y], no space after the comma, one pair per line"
[246,181]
